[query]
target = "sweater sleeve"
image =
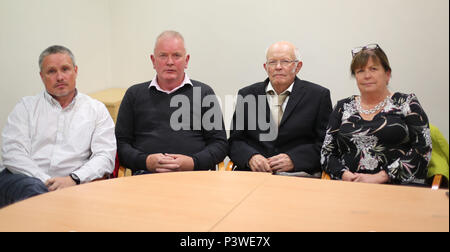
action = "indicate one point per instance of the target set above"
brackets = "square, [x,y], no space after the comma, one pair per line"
[240,151]
[213,130]
[129,156]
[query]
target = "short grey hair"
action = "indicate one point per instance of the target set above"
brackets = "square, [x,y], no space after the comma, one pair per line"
[170,34]
[55,50]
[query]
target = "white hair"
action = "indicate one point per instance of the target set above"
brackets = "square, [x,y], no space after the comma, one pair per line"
[296,52]
[170,34]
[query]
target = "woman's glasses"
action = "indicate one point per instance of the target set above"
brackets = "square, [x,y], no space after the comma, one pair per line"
[362,48]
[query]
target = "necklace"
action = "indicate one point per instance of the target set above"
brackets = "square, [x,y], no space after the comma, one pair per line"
[373,110]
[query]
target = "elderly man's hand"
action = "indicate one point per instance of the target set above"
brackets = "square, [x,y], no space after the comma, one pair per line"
[259,163]
[281,163]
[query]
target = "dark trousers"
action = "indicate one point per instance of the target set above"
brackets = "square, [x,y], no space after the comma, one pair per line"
[17,187]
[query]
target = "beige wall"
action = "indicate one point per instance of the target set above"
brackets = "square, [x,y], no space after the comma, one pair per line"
[112,40]
[227,41]
[27,27]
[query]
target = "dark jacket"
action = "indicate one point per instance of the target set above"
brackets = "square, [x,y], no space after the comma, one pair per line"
[301,132]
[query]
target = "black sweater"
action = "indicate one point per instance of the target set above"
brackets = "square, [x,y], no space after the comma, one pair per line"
[144,126]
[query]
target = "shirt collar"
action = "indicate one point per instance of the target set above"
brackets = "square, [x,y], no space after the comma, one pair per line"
[186,81]
[270,88]
[49,98]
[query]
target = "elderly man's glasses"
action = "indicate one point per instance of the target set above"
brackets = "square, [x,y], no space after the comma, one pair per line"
[362,48]
[283,63]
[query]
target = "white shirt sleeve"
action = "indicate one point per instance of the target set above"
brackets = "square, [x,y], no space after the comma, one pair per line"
[103,147]
[16,146]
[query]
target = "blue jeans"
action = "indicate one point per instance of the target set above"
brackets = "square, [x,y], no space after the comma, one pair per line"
[17,187]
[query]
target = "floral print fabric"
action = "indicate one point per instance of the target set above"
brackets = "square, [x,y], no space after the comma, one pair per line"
[397,140]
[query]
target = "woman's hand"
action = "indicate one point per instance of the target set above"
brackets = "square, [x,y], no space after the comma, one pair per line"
[379,178]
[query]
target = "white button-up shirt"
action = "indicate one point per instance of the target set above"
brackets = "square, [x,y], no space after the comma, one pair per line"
[43,140]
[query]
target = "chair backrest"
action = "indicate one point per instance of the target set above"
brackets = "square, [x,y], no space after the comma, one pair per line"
[438,168]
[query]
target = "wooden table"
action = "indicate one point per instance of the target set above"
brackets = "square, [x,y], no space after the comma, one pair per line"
[230,201]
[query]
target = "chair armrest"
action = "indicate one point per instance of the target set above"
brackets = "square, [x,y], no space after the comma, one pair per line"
[229,166]
[124,172]
[325,176]
[221,166]
[436,182]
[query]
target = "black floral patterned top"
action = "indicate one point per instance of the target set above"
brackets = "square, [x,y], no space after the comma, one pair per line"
[397,141]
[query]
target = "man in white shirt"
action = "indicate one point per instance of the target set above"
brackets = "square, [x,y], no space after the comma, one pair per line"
[58,138]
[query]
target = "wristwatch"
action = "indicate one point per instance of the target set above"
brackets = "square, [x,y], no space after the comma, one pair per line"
[75,178]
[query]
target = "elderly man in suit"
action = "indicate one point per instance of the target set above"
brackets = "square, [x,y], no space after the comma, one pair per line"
[279,124]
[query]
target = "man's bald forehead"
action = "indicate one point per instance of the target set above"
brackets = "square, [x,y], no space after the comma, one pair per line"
[284,45]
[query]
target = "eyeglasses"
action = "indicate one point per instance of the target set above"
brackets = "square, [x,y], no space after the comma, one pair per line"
[283,63]
[362,48]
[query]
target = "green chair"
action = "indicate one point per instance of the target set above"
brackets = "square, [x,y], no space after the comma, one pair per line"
[438,169]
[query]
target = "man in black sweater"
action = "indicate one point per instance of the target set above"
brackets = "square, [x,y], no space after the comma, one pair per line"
[171,123]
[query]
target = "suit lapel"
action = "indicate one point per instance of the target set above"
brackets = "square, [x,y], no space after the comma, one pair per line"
[294,98]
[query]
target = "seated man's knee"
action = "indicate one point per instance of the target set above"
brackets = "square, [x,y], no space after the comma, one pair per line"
[33,187]
[17,187]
